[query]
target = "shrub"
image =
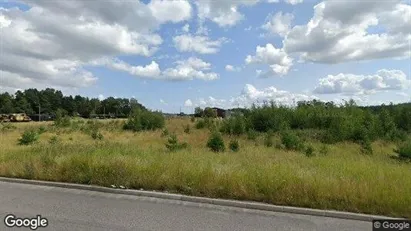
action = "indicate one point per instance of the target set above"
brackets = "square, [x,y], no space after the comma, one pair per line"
[216,142]
[324,150]
[252,135]
[200,124]
[404,150]
[291,141]
[165,132]
[54,140]
[234,126]
[309,151]
[28,137]
[173,144]
[234,146]
[96,135]
[144,120]
[187,129]
[62,119]
[366,147]
[193,119]
[7,127]
[268,139]
[42,129]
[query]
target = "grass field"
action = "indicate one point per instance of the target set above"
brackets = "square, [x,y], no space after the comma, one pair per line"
[340,179]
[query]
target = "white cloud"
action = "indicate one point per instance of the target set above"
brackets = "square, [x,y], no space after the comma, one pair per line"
[339,32]
[278,60]
[196,43]
[363,84]
[49,44]
[251,94]
[170,10]
[189,69]
[186,28]
[188,103]
[163,102]
[232,68]
[293,2]
[278,24]
[226,13]
[101,97]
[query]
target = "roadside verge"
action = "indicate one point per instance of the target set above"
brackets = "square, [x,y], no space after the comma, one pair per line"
[220,202]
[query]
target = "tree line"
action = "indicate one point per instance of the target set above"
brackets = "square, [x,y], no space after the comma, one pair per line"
[48,101]
[326,121]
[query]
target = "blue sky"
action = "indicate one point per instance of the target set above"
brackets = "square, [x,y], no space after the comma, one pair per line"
[328,50]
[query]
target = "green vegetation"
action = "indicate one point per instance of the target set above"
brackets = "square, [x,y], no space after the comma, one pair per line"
[216,142]
[51,101]
[141,120]
[28,137]
[234,146]
[317,155]
[174,145]
[404,150]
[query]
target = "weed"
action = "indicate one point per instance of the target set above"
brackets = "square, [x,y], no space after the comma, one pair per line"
[28,137]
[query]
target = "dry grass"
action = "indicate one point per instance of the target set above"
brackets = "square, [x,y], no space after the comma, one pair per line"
[344,179]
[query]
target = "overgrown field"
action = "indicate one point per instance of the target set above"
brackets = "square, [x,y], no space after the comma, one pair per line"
[269,167]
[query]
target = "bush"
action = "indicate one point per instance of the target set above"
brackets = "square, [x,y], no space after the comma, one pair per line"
[234,126]
[324,150]
[309,151]
[96,135]
[7,126]
[366,147]
[187,129]
[173,144]
[268,139]
[200,124]
[28,137]
[193,119]
[62,119]
[291,141]
[144,120]
[216,142]
[42,129]
[165,132]
[404,150]
[252,135]
[234,146]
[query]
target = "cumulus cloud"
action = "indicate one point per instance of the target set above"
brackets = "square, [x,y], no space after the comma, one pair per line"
[226,13]
[52,42]
[339,32]
[251,95]
[277,59]
[188,103]
[197,43]
[363,84]
[189,69]
[186,28]
[170,10]
[278,24]
[293,2]
[232,68]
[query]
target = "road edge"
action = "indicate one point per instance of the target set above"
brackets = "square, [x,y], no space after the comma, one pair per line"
[205,200]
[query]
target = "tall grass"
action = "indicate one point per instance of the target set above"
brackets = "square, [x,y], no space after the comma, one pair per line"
[341,179]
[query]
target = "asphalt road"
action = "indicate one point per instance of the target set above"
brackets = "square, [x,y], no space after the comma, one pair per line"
[72,209]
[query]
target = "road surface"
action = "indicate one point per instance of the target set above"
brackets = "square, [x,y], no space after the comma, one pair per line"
[72,209]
